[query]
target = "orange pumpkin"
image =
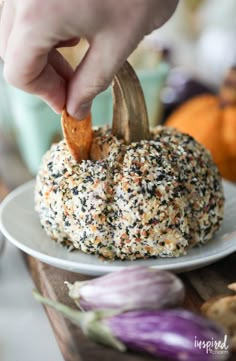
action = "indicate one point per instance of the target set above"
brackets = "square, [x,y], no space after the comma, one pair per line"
[211,120]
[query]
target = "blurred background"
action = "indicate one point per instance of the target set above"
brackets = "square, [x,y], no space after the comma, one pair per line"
[188,56]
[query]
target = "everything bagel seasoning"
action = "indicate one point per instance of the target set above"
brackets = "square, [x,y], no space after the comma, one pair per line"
[157,197]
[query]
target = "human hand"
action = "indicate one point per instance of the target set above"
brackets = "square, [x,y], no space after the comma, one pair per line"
[31,30]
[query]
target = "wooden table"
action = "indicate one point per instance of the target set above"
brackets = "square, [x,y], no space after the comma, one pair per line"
[200,285]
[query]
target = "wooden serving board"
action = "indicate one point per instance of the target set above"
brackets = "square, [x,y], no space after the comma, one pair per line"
[200,284]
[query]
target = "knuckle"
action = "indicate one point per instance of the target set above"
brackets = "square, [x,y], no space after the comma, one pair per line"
[13,77]
[1,49]
[30,11]
[19,74]
[98,86]
[7,74]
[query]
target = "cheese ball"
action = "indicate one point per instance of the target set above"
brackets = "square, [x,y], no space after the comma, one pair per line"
[157,197]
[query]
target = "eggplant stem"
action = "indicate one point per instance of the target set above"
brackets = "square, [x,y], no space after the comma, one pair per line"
[130,119]
[89,322]
[74,316]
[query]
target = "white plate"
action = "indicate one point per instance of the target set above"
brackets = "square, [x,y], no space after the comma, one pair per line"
[20,224]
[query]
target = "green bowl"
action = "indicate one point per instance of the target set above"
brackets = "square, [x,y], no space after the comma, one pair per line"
[36,127]
[6,116]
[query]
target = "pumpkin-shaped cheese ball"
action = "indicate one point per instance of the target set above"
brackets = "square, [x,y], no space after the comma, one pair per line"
[156,195]
[211,120]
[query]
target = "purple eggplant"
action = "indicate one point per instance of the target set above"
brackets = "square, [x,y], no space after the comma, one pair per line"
[175,334]
[131,288]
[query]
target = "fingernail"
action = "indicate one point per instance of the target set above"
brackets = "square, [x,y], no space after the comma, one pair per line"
[82,112]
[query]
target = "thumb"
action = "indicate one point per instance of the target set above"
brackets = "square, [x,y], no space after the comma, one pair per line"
[93,75]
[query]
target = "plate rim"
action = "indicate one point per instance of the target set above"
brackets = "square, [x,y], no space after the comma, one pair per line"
[108,266]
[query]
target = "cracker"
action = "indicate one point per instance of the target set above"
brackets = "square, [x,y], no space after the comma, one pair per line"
[78,135]
[222,309]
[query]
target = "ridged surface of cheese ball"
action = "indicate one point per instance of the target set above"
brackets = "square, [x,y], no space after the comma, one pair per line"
[154,198]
